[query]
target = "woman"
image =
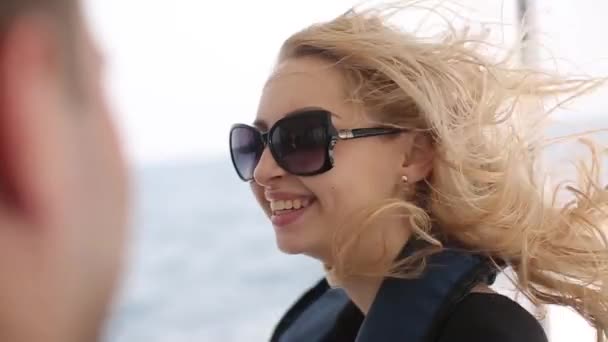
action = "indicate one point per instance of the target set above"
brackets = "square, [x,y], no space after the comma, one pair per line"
[408,167]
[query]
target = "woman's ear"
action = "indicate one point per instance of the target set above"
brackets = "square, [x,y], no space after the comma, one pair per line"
[418,157]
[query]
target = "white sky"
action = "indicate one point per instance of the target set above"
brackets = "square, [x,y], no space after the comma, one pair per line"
[181,72]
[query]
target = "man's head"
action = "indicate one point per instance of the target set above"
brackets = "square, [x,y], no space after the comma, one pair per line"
[63,189]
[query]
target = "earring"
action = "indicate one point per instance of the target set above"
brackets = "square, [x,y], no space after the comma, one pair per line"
[404,179]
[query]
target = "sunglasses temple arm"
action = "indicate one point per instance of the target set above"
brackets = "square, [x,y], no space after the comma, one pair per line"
[366,132]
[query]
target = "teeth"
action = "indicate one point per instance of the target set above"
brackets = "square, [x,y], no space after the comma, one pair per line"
[289,204]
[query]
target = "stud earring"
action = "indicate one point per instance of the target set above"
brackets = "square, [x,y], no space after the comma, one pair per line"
[404,179]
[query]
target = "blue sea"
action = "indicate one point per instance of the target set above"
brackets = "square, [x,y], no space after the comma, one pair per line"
[204,266]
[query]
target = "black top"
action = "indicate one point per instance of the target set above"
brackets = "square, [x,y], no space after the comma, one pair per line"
[436,306]
[483,317]
[478,317]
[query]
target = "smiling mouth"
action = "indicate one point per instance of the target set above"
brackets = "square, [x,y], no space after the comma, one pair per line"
[286,212]
[282,207]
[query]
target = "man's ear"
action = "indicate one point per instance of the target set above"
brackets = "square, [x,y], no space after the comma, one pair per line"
[418,157]
[31,119]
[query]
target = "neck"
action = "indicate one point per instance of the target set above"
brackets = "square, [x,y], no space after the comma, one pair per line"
[362,290]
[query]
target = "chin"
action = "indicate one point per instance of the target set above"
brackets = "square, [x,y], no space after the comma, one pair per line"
[300,247]
[291,247]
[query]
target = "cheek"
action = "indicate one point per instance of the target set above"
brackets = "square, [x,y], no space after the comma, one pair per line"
[362,177]
[103,166]
[366,168]
[364,172]
[340,194]
[258,193]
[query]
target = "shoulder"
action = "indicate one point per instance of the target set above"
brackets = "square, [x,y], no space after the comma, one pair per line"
[491,317]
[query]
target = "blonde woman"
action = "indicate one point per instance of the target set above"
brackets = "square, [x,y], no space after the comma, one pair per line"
[406,167]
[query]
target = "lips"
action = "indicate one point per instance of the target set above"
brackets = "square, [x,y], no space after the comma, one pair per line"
[287,208]
[284,218]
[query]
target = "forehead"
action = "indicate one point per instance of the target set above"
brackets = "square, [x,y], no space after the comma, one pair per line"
[303,83]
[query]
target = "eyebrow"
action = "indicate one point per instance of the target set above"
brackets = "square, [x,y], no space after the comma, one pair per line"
[262,125]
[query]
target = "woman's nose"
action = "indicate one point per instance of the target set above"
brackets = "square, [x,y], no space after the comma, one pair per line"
[267,169]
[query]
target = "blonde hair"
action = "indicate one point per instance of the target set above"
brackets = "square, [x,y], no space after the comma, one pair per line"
[487,189]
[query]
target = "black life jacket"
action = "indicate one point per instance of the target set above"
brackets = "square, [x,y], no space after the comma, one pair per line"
[412,310]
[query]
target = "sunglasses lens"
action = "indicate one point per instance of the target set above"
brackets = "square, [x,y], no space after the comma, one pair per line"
[300,143]
[246,147]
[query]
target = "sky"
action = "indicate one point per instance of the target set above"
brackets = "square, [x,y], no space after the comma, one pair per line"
[179,75]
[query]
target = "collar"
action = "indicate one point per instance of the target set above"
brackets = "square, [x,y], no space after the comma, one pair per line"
[412,309]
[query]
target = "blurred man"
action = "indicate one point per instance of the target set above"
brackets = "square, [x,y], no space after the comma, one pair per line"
[62,179]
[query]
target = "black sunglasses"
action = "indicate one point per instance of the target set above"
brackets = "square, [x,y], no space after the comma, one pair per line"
[301,143]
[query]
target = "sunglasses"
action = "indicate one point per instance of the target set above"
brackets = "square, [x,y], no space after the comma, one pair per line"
[301,143]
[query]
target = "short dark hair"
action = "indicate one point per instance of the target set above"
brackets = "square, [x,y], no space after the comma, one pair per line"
[63,10]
